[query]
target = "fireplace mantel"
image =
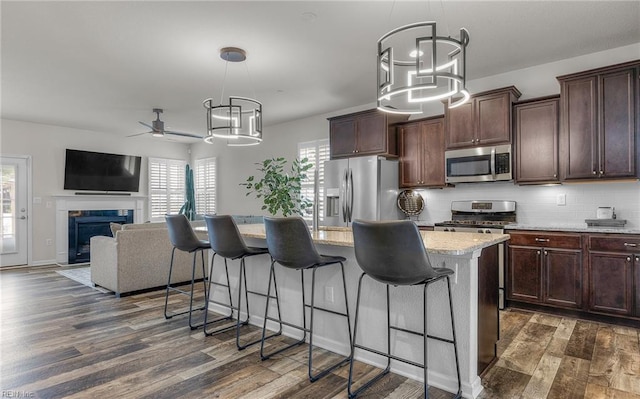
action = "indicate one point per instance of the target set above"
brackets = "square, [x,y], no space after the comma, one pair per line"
[66,203]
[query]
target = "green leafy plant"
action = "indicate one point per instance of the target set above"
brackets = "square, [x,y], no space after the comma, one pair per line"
[280,190]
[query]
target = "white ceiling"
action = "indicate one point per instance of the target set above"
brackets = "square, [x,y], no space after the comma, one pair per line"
[103,66]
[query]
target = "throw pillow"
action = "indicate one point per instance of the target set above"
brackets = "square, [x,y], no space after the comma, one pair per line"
[115,227]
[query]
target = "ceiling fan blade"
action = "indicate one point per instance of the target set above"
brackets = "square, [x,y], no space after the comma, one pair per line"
[195,136]
[147,125]
[138,134]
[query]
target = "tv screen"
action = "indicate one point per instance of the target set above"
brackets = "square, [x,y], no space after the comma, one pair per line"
[97,171]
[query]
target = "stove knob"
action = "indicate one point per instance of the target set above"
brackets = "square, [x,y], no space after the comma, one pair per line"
[480,231]
[487,231]
[445,229]
[452,229]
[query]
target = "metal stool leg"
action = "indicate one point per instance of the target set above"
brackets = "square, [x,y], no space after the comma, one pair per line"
[264,356]
[341,362]
[223,318]
[166,297]
[455,341]
[243,278]
[373,380]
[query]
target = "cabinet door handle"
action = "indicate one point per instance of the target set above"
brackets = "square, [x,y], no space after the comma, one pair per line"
[628,259]
[538,252]
[542,239]
[602,172]
[594,172]
[630,244]
[637,259]
[546,253]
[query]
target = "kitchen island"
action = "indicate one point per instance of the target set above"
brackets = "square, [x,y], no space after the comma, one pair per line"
[472,256]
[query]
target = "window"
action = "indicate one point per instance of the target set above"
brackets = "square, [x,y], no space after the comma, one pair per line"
[317,152]
[166,187]
[204,175]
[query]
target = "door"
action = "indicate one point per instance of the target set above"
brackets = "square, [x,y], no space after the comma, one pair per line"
[617,124]
[14,228]
[563,277]
[410,139]
[611,283]
[525,274]
[363,183]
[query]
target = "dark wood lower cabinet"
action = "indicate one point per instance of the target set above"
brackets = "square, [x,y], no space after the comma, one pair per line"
[562,277]
[591,275]
[611,283]
[545,268]
[525,274]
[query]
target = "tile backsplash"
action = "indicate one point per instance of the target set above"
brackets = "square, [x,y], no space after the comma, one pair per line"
[538,205]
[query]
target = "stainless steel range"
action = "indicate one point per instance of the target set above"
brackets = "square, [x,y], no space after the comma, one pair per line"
[479,216]
[487,217]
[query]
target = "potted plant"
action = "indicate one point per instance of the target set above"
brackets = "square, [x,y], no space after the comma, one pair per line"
[280,191]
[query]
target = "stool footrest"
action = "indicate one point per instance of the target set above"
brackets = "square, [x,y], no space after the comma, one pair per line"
[326,310]
[389,356]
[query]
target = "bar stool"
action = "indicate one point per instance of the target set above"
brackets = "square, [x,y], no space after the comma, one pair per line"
[393,253]
[183,238]
[226,241]
[290,244]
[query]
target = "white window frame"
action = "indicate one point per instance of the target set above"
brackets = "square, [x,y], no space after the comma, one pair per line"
[166,191]
[317,151]
[205,176]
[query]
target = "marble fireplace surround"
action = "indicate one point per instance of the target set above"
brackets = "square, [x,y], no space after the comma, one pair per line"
[66,203]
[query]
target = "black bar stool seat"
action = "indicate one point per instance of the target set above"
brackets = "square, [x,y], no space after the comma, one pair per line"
[226,241]
[393,253]
[290,244]
[183,238]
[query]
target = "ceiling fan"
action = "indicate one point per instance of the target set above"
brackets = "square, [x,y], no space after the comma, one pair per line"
[158,130]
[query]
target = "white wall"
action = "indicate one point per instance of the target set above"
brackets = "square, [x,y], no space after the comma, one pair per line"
[46,145]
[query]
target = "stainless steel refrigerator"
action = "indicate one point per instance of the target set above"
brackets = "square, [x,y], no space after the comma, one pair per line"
[360,188]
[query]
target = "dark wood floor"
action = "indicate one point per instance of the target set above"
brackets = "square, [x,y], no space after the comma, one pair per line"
[59,338]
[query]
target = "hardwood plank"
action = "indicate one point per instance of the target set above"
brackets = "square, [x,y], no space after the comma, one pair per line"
[501,383]
[542,378]
[571,379]
[616,361]
[527,348]
[582,340]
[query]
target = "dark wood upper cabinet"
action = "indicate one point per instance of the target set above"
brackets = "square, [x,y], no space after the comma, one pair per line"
[536,141]
[599,117]
[421,147]
[484,120]
[363,133]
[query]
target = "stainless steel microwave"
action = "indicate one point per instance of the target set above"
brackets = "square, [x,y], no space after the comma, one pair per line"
[478,164]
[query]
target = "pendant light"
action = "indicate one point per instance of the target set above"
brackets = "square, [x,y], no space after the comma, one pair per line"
[416,65]
[240,120]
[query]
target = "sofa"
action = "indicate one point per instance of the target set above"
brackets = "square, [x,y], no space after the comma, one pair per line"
[137,258]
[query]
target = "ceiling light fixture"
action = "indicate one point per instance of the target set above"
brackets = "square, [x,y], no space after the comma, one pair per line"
[416,65]
[240,120]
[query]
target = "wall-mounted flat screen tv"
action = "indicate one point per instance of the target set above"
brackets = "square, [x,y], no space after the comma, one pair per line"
[98,171]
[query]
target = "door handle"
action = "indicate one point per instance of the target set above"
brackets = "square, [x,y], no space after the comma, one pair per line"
[343,196]
[23,217]
[350,194]
[542,240]
[629,244]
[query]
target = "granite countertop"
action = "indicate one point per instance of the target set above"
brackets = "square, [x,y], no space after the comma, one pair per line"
[436,242]
[572,228]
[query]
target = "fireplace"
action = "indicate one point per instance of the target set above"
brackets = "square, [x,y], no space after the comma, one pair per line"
[68,206]
[85,224]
